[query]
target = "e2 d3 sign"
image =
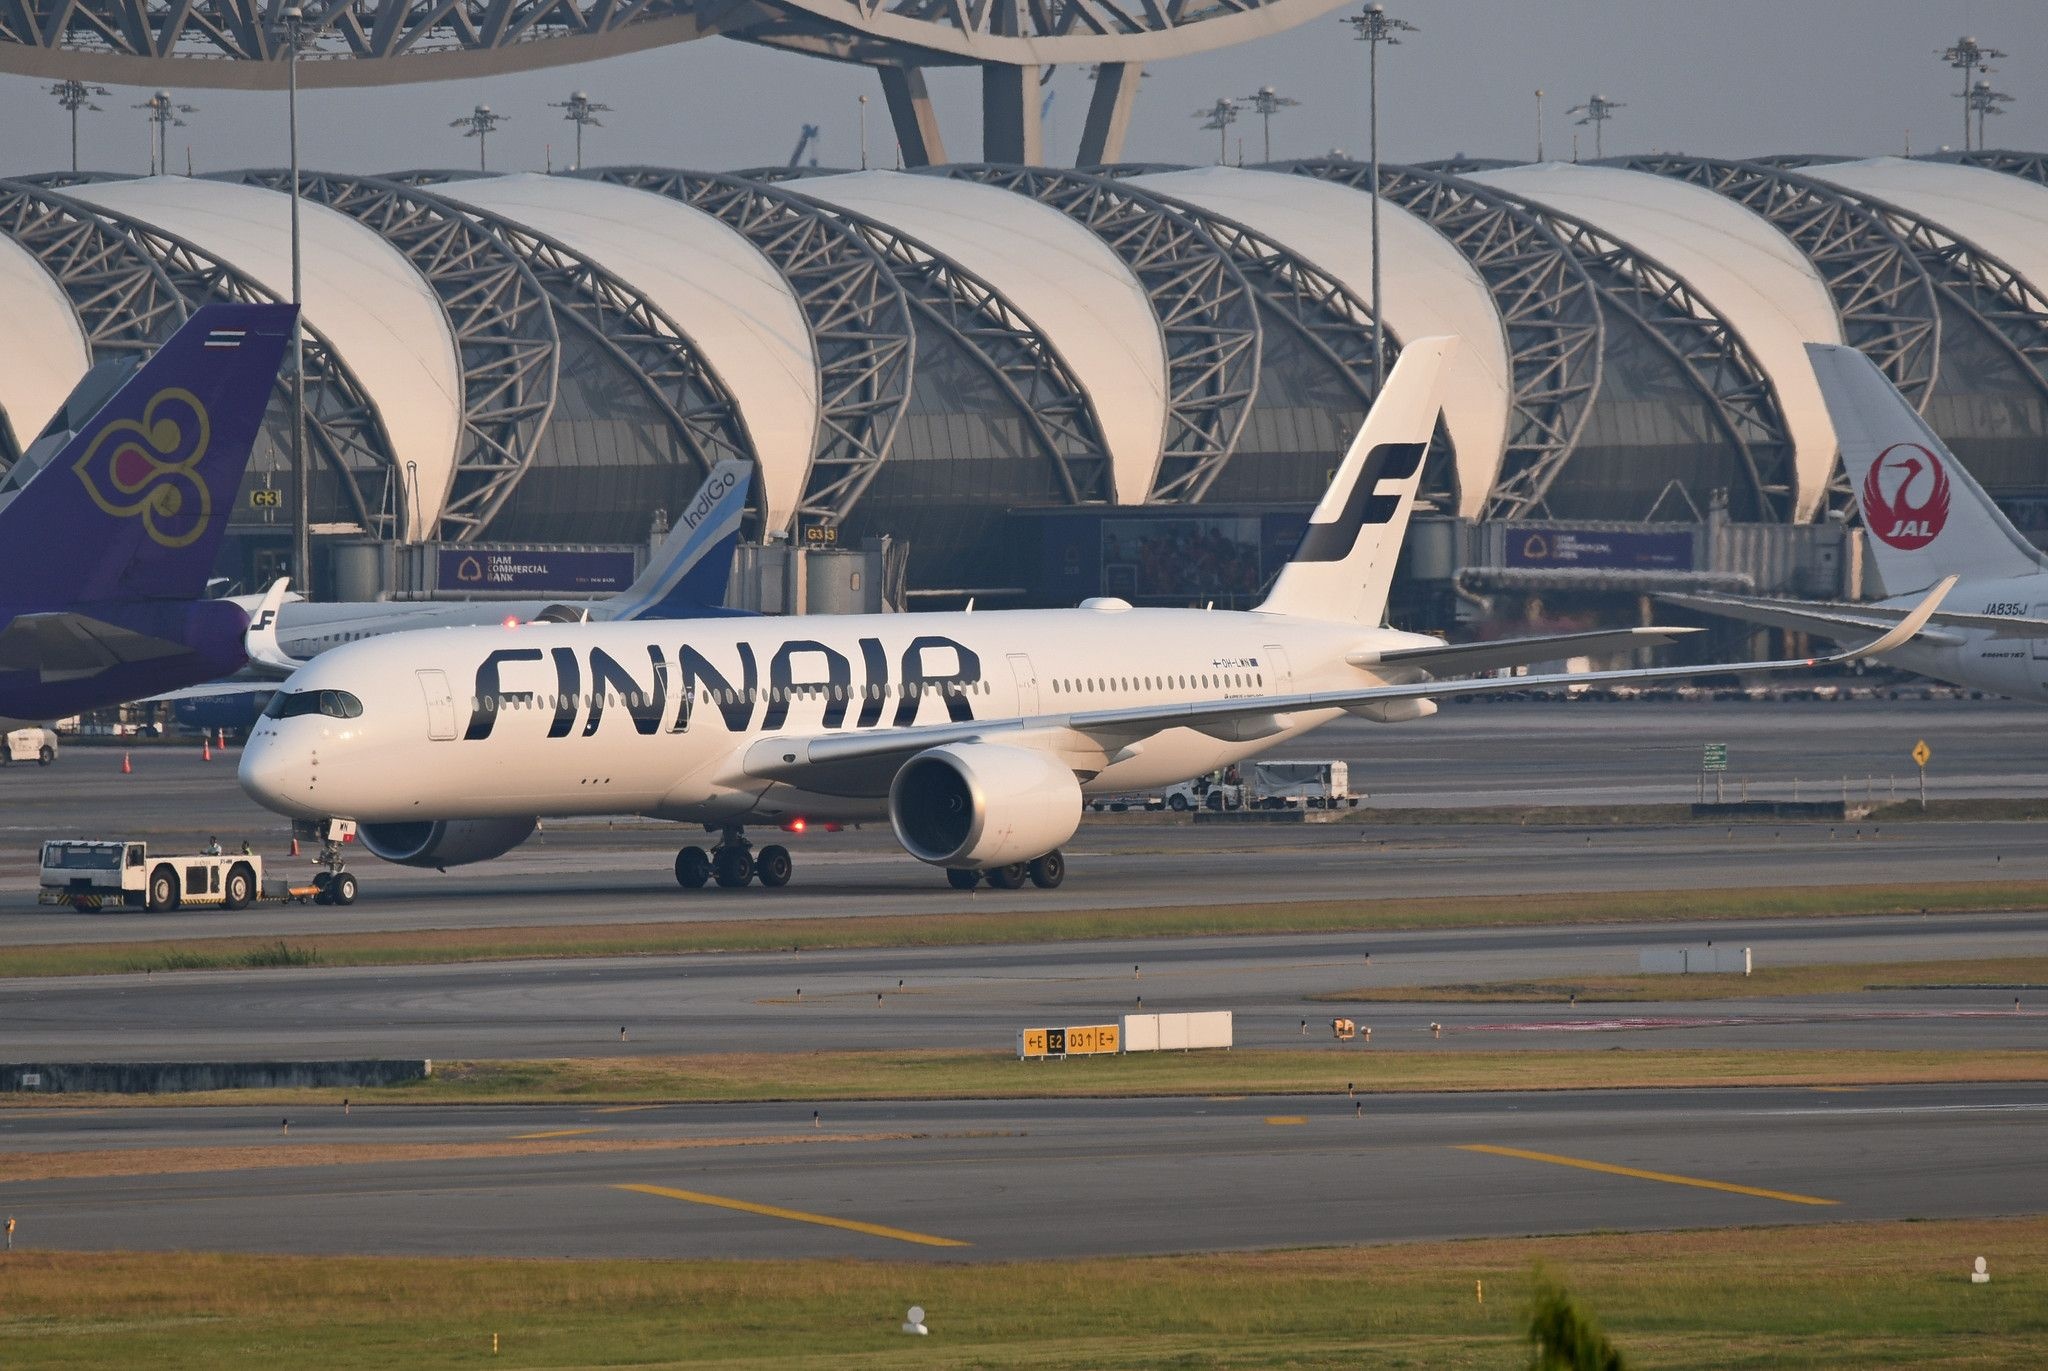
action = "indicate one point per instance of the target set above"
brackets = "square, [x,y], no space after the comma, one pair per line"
[591,571]
[1086,1040]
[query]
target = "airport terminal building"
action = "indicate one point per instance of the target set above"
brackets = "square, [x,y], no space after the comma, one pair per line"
[1049,384]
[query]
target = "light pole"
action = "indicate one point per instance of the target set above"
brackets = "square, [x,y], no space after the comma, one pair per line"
[580,110]
[163,112]
[1268,102]
[1598,109]
[1375,26]
[1539,123]
[293,30]
[863,132]
[1967,55]
[1980,101]
[479,123]
[1220,116]
[75,96]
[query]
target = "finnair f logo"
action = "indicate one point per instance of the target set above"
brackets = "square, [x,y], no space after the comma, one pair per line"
[148,470]
[1375,498]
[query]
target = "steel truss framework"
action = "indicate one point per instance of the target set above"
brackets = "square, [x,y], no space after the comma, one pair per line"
[1057,414]
[1697,340]
[123,299]
[504,330]
[344,427]
[1551,309]
[859,316]
[1882,290]
[2030,166]
[654,350]
[1205,307]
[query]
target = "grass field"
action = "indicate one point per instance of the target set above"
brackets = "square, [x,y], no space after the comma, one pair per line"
[1021,924]
[1837,1295]
[927,1075]
[2023,974]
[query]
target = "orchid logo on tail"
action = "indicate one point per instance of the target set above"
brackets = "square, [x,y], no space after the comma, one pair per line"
[149,469]
[1903,521]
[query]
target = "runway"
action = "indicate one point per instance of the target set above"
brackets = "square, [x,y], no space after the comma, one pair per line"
[984,1181]
[976,998]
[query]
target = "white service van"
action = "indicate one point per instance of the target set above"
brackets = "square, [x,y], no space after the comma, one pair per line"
[38,745]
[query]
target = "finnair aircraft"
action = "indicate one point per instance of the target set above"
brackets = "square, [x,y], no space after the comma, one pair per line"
[108,544]
[975,734]
[1927,519]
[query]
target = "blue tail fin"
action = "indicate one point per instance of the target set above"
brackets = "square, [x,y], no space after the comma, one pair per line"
[135,504]
[690,571]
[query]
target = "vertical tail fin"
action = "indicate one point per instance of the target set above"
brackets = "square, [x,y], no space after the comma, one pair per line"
[135,505]
[1926,516]
[1345,563]
[689,573]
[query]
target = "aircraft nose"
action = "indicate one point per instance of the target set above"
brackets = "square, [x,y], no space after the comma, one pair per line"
[278,776]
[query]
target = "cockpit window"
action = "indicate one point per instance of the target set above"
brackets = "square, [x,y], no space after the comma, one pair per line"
[335,704]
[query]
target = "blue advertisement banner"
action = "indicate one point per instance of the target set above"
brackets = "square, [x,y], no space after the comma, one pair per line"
[1590,549]
[540,572]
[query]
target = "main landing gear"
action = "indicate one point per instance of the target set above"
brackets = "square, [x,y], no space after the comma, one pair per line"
[733,863]
[1044,872]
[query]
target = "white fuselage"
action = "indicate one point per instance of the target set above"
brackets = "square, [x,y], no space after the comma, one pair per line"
[656,718]
[2017,667]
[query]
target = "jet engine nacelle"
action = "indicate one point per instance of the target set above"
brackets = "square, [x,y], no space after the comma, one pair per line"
[982,805]
[442,843]
[1393,711]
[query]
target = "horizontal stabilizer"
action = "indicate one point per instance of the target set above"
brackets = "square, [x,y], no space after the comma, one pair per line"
[65,645]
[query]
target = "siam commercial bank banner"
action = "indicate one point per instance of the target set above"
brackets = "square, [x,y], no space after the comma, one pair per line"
[1590,549]
[590,572]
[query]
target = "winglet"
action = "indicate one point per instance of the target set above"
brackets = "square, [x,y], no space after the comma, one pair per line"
[260,643]
[1904,631]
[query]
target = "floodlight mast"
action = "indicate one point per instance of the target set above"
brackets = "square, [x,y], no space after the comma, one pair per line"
[163,111]
[1220,116]
[75,96]
[1598,109]
[1267,102]
[1982,100]
[292,29]
[580,110]
[1375,26]
[479,124]
[1969,56]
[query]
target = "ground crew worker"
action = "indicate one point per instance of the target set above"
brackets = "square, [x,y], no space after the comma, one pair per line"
[213,846]
[247,851]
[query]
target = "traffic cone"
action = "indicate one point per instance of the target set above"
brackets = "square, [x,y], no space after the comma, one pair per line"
[127,767]
[206,749]
[295,847]
[220,739]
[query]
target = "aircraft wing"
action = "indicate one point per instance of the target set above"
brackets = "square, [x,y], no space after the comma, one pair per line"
[1092,739]
[63,645]
[1518,651]
[1839,620]
[215,690]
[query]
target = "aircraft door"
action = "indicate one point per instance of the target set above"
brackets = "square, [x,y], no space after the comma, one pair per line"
[440,705]
[1279,671]
[1027,684]
[2040,644]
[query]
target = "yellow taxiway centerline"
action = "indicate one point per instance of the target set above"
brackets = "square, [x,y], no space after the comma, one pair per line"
[1282,1120]
[797,1216]
[556,1133]
[1664,1176]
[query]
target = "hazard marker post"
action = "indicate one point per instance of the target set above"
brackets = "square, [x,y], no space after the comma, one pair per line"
[1922,755]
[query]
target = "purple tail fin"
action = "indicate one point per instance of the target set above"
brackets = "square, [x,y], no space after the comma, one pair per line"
[135,505]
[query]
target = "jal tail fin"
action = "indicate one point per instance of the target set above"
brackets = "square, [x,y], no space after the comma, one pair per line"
[1345,563]
[135,504]
[689,573]
[1925,515]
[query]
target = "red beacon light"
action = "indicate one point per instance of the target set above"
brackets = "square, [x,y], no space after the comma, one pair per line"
[511,621]
[796,825]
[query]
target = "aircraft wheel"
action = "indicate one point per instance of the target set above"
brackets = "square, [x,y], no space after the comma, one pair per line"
[1011,877]
[163,890]
[732,867]
[962,880]
[693,868]
[772,866]
[343,889]
[1048,871]
[240,888]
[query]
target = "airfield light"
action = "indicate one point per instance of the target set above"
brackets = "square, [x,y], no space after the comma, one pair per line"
[479,124]
[1969,57]
[75,96]
[580,110]
[1597,110]
[1266,102]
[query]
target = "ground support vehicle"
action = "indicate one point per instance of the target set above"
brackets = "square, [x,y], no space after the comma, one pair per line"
[38,745]
[1300,785]
[87,875]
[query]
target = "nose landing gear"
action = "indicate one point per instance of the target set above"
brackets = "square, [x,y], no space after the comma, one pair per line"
[733,863]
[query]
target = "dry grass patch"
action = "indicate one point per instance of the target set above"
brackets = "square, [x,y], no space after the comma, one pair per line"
[1770,982]
[1834,1295]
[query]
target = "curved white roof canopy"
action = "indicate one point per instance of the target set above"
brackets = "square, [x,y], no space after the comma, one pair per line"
[383,320]
[1431,289]
[733,305]
[43,350]
[1736,262]
[2002,214]
[1074,290]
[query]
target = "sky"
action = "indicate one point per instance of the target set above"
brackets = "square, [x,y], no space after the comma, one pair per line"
[1730,78]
